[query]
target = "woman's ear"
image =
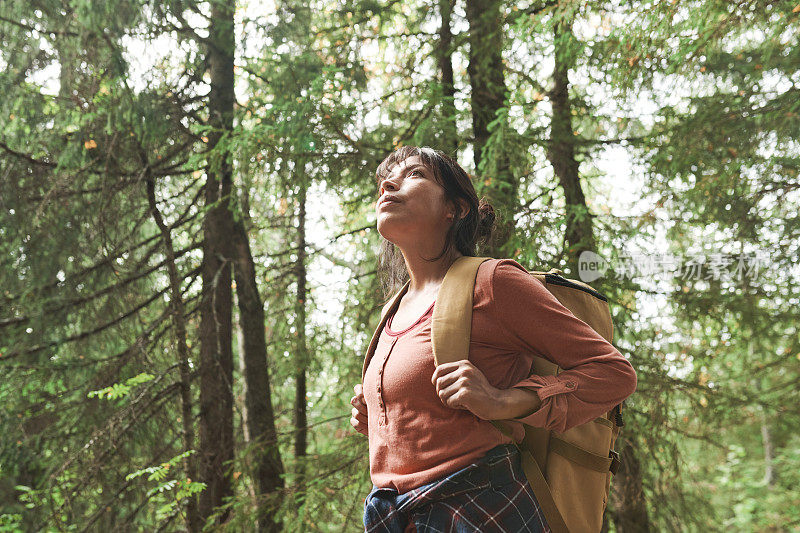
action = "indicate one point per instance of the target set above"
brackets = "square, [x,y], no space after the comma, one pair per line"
[464,207]
[462,204]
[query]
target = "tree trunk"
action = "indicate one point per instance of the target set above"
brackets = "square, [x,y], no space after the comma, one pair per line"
[445,58]
[216,353]
[267,464]
[630,512]
[561,154]
[301,357]
[769,472]
[258,414]
[766,434]
[754,352]
[67,62]
[242,370]
[488,88]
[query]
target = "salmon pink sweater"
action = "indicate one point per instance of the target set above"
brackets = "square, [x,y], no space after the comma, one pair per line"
[415,439]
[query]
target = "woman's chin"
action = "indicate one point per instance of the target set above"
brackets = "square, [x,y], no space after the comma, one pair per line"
[390,232]
[389,226]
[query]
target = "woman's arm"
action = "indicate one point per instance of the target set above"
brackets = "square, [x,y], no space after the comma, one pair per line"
[517,402]
[596,375]
[461,385]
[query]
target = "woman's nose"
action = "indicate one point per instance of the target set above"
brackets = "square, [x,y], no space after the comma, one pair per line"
[389,185]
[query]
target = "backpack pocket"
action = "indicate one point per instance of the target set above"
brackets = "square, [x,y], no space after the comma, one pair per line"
[578,474]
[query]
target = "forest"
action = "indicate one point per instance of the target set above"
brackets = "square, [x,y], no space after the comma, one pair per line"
[190,256]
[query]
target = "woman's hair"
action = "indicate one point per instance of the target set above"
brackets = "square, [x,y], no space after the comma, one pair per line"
[465,234]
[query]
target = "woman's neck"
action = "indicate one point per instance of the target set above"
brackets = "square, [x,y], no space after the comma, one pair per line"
[427,276]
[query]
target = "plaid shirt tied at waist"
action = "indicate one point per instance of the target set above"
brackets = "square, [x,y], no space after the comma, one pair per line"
[491,494]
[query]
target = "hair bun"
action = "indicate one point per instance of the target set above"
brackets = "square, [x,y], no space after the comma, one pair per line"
[486,213]
[486,218]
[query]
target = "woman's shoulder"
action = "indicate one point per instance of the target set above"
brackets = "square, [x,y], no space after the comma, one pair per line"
[493,269]
[504,276]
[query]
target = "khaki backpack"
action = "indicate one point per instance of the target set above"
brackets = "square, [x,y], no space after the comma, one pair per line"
[570,472]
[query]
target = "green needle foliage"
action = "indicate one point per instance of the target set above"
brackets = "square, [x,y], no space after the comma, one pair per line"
[189,251]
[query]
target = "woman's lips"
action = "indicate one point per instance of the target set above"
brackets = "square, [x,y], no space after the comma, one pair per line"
[388,201]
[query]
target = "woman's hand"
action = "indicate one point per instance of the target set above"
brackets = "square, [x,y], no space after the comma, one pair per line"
[460,385]
[359,418]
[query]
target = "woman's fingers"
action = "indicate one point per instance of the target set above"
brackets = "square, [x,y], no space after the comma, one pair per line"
[359,422]
[358,418]
[359,403]
[446,396]
[446,380]
[444,369]
[358,400]
[358,415]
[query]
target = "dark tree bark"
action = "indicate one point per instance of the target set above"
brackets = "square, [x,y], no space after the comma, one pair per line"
[260,421]
[630,512]
[561,154]
[301,357]
[488,87]
[216,353]
[769,456]
[485,68]
[229,249]
[445,58]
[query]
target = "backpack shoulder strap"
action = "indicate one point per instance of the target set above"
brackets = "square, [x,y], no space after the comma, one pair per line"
[451,323]
[387,310]
[451,328]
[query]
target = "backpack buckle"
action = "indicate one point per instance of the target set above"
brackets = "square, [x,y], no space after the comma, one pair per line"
[618,415]
[615,461]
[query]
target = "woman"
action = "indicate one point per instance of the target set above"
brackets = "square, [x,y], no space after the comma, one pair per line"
[436,462]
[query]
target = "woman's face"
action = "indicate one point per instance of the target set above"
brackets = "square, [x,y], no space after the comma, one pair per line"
[412,205]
